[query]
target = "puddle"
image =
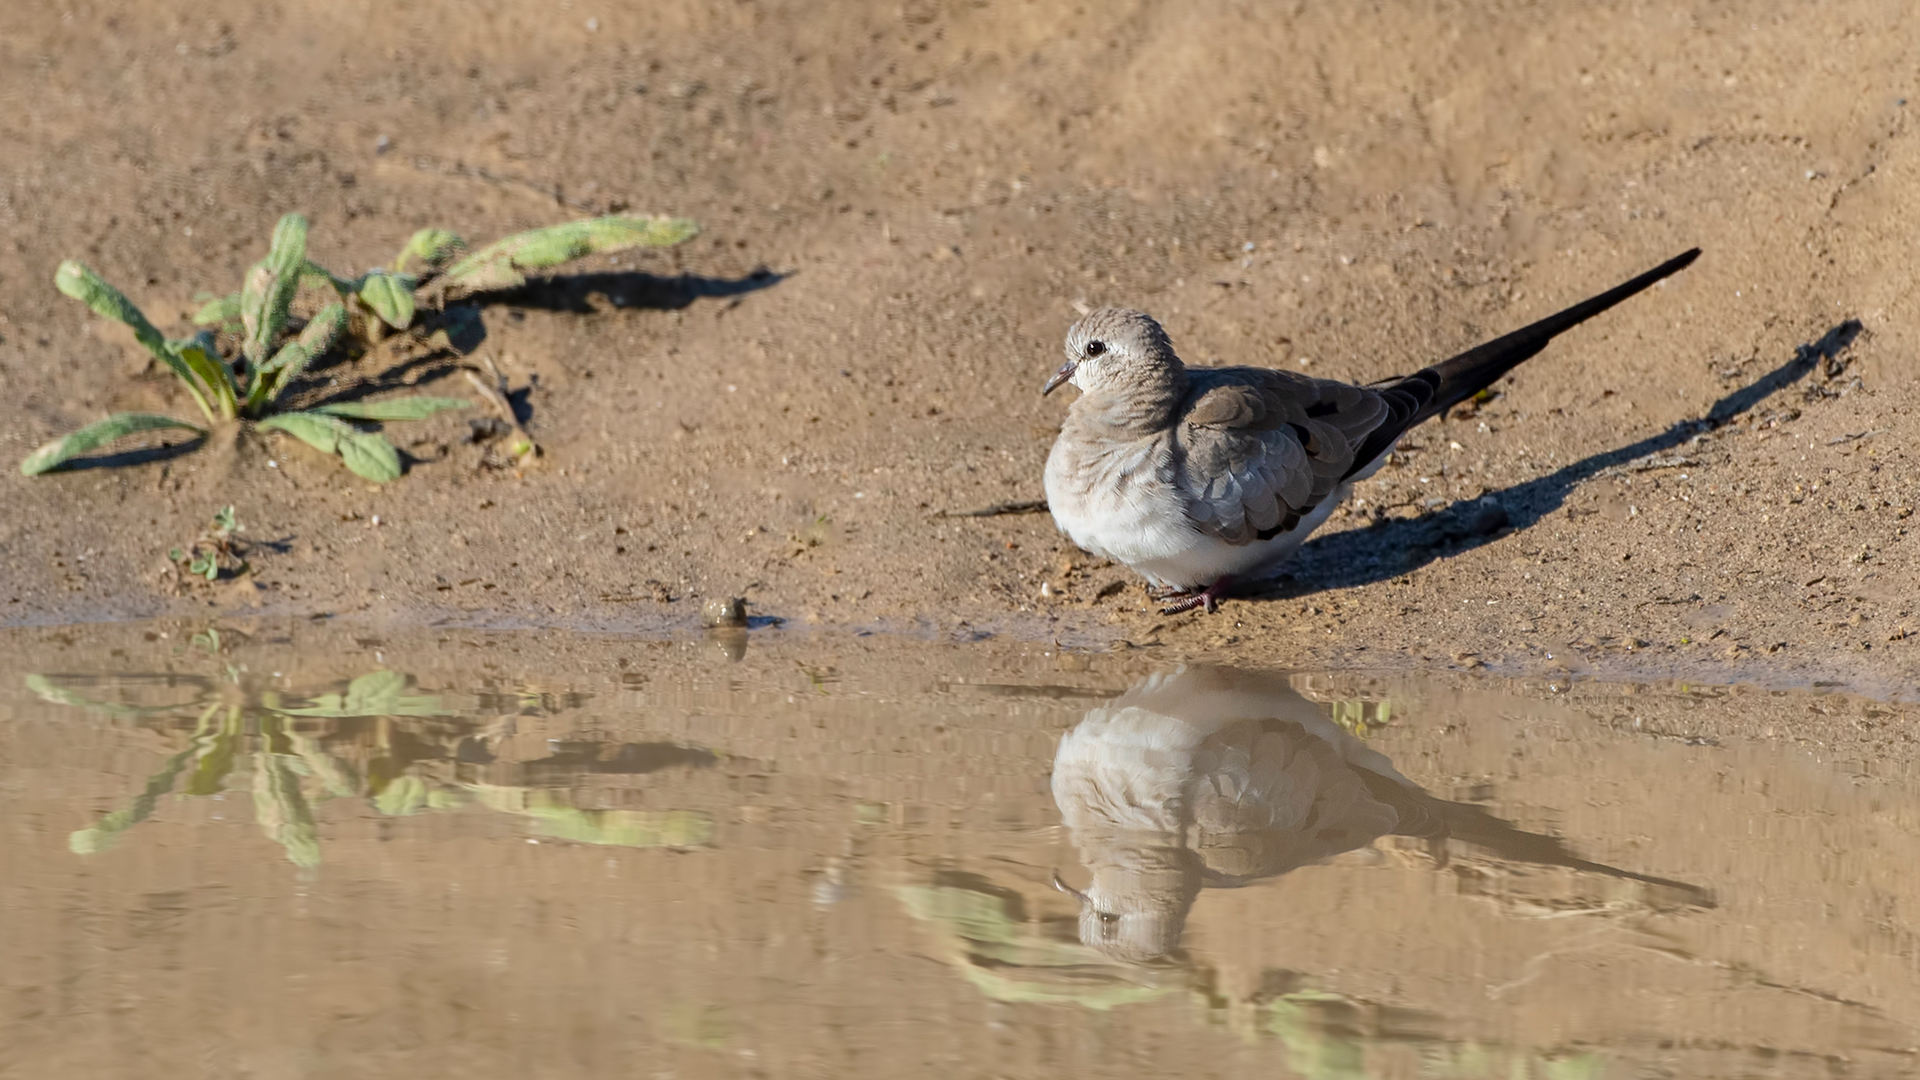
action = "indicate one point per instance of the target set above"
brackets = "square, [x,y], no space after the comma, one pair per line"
[309,853]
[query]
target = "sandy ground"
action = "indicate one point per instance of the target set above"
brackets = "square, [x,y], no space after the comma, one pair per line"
[934,187]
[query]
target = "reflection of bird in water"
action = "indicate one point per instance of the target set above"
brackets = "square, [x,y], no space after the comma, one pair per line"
[1216,778]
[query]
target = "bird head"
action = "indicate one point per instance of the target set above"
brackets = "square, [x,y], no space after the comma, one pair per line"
[1136,906]
[1114,347]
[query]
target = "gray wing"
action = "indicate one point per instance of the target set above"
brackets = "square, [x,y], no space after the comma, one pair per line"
[1261,449]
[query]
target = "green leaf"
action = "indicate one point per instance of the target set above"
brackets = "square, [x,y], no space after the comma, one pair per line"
[404,408]
[313,271]
[371,457]
[323,433]
[625,828]
[366,454]
[102,835]
[50,690]
[552,815]
[390,296]
[220,311]
[499,265]
[256,296]
[335,772]
[201,358]
[432,247]
[216,757]
[282,809]
[95,435]
[107,830]
[274,376]
[445,799]
[315,339]
[270,287]
[403,795]
[78,281]
[377,693]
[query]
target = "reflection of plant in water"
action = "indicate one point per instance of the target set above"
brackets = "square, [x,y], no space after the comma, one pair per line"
[1362,718]
[706,1026]
[1485,1061]
[983,930]
[376,739]
[1332,1036]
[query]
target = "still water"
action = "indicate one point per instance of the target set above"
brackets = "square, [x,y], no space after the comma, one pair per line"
[316,852]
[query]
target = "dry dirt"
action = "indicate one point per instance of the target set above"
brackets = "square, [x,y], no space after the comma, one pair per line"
[934,187]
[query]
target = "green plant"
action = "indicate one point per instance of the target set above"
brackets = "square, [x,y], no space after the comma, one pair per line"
[217,551]
[273,346]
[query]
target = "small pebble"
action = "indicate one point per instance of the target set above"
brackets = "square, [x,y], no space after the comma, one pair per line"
[729,611]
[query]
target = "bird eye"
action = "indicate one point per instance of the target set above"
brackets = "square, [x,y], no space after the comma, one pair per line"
[1109,918]
[1095,348]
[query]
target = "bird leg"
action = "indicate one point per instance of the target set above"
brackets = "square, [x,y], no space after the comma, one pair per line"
[1176,600]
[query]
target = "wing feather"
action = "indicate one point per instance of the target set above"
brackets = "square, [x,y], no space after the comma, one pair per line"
[1260,449]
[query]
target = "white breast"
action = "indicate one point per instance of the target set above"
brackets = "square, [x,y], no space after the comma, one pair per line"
[1117,499]
[1114,505]
[1206,559]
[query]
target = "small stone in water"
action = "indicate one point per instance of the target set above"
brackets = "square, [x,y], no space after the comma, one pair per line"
[727,611]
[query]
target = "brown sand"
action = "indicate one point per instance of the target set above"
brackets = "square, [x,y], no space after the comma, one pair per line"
[940,184]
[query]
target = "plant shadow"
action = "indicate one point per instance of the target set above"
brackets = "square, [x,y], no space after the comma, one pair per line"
[1389,549]
[137,456]
[281,546]
[629,289]
[465,331]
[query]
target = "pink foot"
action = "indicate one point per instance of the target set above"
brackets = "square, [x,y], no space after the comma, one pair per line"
[1175,601]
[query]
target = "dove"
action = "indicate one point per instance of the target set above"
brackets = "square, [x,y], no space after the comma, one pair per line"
[1200,478]
[1218,778]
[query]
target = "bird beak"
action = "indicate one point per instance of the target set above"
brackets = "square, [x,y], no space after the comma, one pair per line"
[1070,890]
[1061,376]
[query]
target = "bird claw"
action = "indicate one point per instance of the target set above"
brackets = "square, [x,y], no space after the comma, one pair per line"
[1176,601]
[1188,603]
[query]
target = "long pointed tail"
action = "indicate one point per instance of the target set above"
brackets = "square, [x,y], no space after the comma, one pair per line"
[1433,390]
[1476,369]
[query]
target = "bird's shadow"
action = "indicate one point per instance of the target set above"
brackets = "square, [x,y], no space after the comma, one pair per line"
[1389,549]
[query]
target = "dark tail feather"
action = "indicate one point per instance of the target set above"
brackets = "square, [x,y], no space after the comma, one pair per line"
[1472,371]
[1431,391]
